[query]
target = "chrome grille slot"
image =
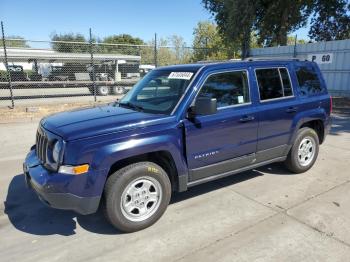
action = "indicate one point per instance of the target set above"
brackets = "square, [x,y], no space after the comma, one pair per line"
[41,145]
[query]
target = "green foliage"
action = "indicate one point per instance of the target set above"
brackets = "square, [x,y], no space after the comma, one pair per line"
[208,44]
[291,40]
[147,54]
[128,45]
[16,41]
[273,20]
[331,20]
[269,20]
[69,47]
[236,20]
[122,39]
[170,51]
[3,76]
[254,43]
[278,18]
[110,44]
[181,53]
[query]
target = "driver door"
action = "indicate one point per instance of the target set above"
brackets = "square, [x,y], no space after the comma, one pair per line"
[226,140]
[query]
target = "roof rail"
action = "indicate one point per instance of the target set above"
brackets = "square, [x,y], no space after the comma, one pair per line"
[218,61]
[209,61]
[269,58]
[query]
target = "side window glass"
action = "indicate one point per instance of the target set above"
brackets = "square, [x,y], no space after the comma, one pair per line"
[230,88]
[287,87]
[269,82]
[309,83]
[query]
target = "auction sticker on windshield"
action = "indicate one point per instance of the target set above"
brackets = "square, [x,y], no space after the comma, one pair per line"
[180,75]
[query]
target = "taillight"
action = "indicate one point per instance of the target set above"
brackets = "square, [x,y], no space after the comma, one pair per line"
[331,104]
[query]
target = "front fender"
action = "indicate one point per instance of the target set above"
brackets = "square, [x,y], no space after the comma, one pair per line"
[106,156]
[101,152]
[109,154]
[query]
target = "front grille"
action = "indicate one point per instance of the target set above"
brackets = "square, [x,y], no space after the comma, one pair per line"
[41,145]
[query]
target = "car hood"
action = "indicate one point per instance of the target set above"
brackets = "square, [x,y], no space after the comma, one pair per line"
[92,121]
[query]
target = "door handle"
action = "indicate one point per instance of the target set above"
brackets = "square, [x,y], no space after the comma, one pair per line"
[292,109]
[246,119]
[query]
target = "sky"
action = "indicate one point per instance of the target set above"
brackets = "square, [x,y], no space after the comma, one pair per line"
[37,20]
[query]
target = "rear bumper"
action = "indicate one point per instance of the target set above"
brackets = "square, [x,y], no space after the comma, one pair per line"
[43,183]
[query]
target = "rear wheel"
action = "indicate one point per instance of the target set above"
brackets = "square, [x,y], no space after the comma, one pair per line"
[118,90]
[136,196]
[304,151]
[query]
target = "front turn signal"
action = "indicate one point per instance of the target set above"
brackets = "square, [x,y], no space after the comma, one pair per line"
[74,170]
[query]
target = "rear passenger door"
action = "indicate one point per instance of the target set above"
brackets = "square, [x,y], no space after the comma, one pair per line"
[312,89]
[277,107]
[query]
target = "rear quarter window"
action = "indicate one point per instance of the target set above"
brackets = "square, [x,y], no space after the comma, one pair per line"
[308,81]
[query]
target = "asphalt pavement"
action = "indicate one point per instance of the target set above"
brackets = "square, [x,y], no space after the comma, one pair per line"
[266,214]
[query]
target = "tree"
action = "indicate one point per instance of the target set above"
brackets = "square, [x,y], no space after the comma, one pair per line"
[64,43]
[236,20]
[170,51]
[123,39]
[179,47]
[278,18]
[165,56]
[269,20]
[254,43]
[208,43]
[120,44]
[291,40]
[273,20]
[331,20]
[15,41]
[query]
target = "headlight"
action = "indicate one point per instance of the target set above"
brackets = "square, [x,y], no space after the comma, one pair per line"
[56,152]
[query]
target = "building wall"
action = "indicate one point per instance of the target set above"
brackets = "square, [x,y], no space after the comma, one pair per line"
[333,58]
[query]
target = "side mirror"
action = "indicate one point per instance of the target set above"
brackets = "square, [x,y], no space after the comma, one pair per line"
[203,106]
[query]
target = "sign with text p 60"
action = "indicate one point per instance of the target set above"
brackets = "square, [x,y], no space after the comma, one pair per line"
[325,58]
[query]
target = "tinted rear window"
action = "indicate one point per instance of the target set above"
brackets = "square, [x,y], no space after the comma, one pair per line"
[309,82]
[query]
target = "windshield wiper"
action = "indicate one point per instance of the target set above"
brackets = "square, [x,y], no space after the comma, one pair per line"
[131,105]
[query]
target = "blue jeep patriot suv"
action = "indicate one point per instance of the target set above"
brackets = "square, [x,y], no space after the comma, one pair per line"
[178,127]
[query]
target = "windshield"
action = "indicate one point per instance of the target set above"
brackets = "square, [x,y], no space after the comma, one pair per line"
[158,92]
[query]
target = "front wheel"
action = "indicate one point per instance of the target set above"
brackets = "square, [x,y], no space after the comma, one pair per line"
[304,151]
[136,196]
[102,90]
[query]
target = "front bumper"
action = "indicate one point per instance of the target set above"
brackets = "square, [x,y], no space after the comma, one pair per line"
[57,190]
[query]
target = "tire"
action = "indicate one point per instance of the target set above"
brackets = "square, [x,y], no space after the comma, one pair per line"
[304,151]
[118,90]
[102,90]
[125,198]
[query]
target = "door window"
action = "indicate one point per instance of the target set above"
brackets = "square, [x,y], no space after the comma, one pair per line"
[229,88]
[287,86]
[273,83]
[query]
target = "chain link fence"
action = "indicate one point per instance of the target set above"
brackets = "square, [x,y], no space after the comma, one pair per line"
[36,72]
